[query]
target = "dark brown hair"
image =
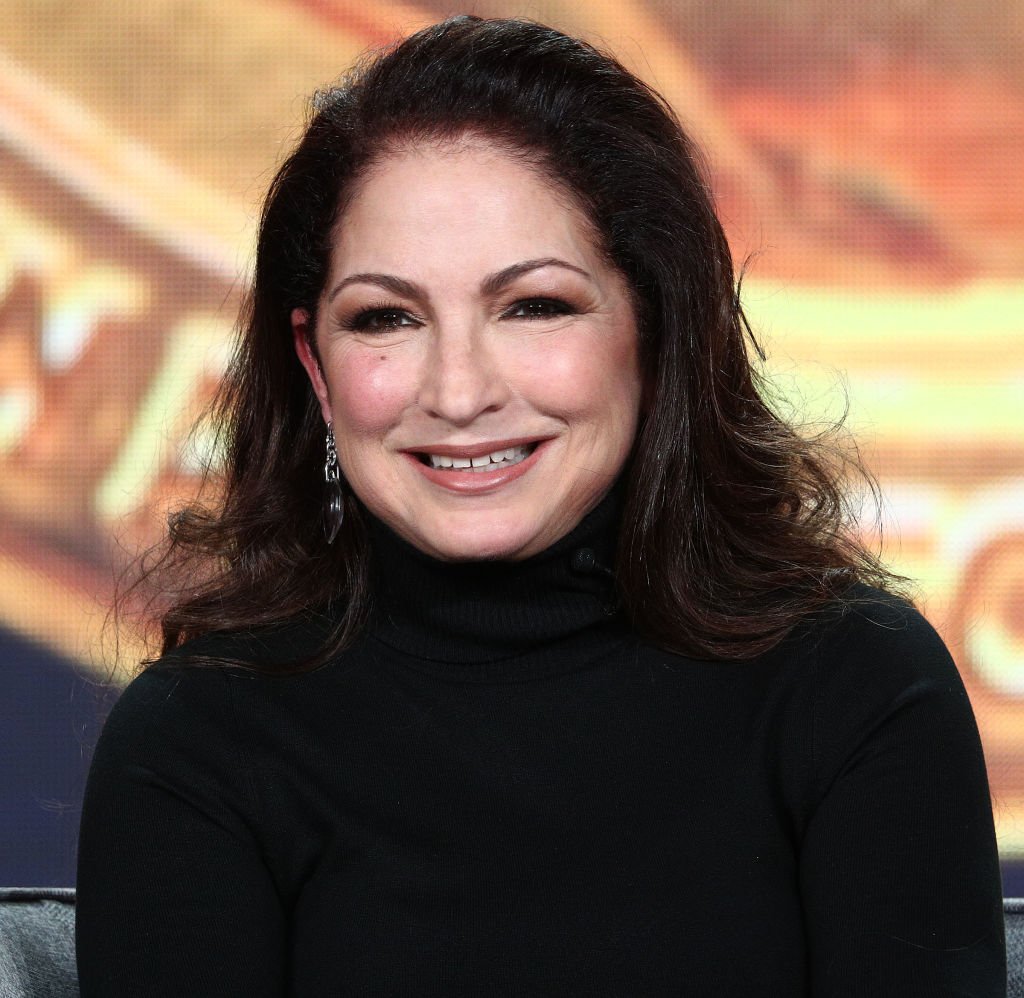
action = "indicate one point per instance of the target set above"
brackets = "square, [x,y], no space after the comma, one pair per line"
[735,526]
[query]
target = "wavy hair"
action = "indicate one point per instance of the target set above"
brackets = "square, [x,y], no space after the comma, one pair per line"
[735,526]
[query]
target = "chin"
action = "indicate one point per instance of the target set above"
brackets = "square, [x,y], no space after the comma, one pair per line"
[489,541]
[484,550]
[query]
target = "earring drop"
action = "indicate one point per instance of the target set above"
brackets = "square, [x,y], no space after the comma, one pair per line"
[334,499]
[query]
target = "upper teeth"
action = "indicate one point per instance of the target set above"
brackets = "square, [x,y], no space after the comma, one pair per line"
[511,455]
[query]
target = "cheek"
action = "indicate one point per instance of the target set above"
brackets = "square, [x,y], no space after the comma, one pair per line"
[589,377]
[369,391]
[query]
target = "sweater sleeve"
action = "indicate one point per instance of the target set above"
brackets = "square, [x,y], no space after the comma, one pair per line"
[899,869]
[173,896]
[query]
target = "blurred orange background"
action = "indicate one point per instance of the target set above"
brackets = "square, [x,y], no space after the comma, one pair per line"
[866,159]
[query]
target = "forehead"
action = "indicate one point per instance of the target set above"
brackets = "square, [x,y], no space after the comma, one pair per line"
[465,190]
[460,153]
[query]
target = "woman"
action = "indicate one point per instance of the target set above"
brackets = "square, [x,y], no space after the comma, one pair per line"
[569,679]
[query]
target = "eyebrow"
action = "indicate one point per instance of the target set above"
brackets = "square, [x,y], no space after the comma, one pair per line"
[490,285]
[496,282]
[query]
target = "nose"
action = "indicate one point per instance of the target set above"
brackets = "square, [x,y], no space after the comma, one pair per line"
[461,377]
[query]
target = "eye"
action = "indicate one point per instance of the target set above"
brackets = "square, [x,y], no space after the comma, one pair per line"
[538,308]
[380,319]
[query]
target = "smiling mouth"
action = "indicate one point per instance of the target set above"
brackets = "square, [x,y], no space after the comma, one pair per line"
[485,462]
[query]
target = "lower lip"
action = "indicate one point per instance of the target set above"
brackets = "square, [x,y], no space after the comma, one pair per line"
[477,482]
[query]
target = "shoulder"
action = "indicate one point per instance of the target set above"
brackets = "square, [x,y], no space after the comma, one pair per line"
[195,686]
[175,726]
[871,633]
[270,649]
[171,745]
[186,693]
[881,675]
[164,709]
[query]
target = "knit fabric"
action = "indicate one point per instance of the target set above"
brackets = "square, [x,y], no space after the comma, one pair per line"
[37,955]
[501,790]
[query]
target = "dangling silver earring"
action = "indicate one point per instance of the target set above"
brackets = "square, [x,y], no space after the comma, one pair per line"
[334,500]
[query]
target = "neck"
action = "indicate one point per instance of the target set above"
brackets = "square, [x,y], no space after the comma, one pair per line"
[467,613]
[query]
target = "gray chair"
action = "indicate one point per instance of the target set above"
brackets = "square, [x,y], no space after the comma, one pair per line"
[37,943]
[1013,916]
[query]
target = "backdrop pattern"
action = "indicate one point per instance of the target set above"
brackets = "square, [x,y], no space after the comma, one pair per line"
[866,160]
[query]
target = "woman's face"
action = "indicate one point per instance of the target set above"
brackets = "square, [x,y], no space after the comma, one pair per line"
[478,355]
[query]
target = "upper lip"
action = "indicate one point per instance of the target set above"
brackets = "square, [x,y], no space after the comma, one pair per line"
[472,450]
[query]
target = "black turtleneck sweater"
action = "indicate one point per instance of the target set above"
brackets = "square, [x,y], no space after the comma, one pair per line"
[499,790]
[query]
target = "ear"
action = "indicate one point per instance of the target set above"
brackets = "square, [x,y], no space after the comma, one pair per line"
[302,337]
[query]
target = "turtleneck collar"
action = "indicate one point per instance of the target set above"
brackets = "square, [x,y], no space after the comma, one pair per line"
[472,613]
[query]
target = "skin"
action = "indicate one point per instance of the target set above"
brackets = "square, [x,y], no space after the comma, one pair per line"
[467,305]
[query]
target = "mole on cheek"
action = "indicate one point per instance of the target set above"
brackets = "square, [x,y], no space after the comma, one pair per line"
[383,356]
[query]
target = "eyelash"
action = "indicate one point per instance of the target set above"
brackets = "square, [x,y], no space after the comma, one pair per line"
[363,319]
[556,306]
